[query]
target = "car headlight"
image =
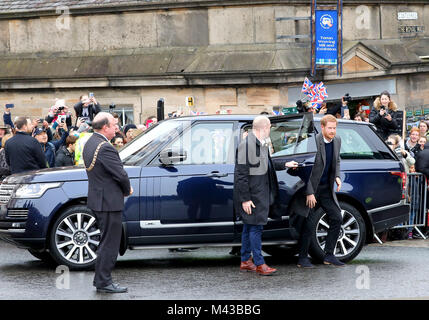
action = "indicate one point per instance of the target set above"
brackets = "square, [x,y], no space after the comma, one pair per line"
[34,190]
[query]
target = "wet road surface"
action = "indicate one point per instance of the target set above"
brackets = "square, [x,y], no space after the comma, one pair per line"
[396,270]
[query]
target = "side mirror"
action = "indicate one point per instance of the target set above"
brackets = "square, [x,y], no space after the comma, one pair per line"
[172,156]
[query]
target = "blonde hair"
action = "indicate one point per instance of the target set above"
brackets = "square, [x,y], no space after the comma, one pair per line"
[395,137]
[5,138]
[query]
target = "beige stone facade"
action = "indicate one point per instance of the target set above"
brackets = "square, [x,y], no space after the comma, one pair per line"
[226,57]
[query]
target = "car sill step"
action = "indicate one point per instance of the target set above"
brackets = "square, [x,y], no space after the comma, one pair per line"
[201,245]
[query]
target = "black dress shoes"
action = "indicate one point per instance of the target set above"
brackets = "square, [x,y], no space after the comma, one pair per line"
[113,288]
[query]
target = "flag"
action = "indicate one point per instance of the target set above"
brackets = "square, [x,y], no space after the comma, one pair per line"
[321,90]
[316,93]
[307,85]
[197,113]
[277,113]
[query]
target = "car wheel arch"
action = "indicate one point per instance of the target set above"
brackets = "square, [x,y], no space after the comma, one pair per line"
[356,204]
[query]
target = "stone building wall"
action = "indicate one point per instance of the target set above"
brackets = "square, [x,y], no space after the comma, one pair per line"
[239,26]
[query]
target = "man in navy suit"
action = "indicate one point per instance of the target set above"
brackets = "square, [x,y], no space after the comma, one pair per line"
[108,184]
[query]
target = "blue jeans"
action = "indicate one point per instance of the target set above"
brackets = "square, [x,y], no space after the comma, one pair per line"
[251,243]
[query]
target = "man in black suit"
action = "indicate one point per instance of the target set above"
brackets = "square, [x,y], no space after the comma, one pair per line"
[22,151]
[108,184]
[319,192]
[256,193]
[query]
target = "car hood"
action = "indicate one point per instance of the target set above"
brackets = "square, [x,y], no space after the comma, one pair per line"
[59,175]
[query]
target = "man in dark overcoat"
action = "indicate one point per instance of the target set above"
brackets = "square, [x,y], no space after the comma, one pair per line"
[108,184]
[255,191]
[319,192]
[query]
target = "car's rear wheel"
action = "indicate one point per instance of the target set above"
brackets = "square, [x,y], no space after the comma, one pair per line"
[74,238]
[352,235]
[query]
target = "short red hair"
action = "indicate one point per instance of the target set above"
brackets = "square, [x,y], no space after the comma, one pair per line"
[328,118]
[415,129]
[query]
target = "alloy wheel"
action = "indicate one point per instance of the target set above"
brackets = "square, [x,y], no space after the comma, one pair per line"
[77,238]
[348,238]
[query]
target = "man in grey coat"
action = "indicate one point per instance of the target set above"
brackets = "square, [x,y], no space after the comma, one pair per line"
[319,192]
[255,192]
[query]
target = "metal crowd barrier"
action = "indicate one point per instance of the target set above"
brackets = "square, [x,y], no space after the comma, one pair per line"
[416,196]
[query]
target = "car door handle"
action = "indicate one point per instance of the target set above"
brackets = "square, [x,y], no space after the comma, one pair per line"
[305,164]
[217,174]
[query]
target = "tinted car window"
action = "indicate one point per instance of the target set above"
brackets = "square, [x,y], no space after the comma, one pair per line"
[354,145]
[135,151]
[292,137]
[207,143]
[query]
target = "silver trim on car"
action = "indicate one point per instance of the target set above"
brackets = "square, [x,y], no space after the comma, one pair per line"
[156,224]
[12,230]
[391,206]
[201,245]
[6,191]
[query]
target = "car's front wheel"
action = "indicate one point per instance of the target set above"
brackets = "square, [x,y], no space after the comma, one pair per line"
[352,234]
[74,238]
[43,256]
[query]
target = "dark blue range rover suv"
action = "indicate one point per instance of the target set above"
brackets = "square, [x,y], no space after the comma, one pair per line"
[182,172]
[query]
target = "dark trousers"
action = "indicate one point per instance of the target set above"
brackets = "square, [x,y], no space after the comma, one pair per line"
[107,253]
[326,202]
[251,242]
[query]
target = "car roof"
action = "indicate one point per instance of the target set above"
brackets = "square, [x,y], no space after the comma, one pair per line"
[250,117]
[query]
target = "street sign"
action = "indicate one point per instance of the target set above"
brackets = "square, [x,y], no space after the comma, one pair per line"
[326,37]
[189,101]
[289,110]
[407,16]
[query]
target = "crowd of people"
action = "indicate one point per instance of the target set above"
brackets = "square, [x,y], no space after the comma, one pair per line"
[55,141]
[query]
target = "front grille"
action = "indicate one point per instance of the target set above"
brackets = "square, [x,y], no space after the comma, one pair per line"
[6,191]
[17,214]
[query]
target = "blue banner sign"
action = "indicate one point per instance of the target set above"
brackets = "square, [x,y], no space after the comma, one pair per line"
[326,37]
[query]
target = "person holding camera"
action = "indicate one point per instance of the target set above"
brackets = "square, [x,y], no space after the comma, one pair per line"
[345,112]
[394,142]
[50,148]
[384,115]
[87,108]
[59,111]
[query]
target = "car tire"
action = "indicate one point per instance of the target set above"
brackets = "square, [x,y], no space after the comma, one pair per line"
[351,239]
[43,256]
[74,238]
